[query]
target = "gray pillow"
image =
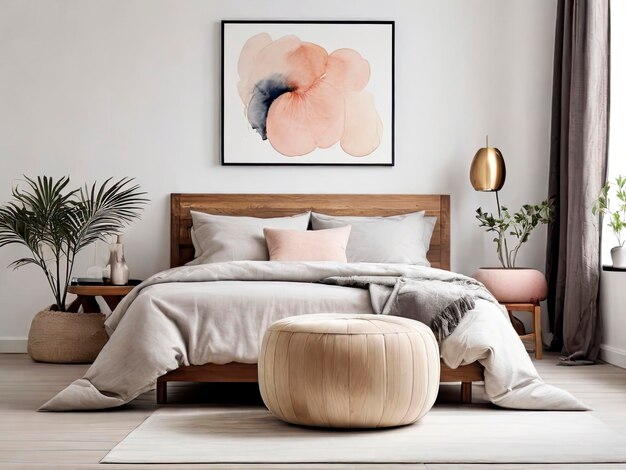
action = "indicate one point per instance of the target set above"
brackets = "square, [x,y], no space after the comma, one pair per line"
[396,239]
[219,238]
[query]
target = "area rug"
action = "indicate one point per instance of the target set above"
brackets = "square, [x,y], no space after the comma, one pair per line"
[448,434]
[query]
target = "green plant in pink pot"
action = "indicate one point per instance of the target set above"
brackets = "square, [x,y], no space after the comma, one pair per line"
[510,283]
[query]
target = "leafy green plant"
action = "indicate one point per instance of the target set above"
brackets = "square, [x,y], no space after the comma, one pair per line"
[602,205]
[519,225]
[56,223]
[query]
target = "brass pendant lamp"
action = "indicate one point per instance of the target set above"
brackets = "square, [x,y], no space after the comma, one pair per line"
[488,171]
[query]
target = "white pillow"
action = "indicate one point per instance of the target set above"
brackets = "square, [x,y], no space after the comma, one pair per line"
[429,227]
[219,238]
[396,239]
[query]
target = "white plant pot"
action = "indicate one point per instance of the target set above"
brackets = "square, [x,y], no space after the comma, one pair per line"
[618,254]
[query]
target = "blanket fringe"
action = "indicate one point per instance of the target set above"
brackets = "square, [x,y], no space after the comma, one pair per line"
[449,318]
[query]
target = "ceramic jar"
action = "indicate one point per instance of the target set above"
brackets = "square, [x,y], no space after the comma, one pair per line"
[618,255]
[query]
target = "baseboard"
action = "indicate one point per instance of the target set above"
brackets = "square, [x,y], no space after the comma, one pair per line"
[13,345]
[615,356]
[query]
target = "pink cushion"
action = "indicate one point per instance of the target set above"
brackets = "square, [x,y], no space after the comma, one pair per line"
[307,245]
[514,285]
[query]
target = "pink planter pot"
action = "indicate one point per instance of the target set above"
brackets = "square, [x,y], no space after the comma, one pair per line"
[514,285]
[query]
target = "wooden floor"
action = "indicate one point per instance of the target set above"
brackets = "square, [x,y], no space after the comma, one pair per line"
[29,439]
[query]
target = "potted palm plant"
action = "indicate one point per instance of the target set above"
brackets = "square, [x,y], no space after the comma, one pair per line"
[616,218]
[510,283]
[55,223]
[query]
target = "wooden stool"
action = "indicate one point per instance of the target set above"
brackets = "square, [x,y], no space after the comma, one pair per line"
[535,309]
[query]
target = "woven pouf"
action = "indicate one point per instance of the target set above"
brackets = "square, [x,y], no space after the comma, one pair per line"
[349,371]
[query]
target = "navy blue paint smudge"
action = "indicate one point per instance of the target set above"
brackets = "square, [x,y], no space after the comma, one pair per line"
[264,94]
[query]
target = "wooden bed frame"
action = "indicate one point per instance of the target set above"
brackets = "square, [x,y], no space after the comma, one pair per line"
[279,205]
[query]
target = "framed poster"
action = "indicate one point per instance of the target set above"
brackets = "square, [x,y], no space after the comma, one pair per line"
[308,93]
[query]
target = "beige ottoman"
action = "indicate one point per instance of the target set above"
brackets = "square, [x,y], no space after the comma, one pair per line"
[349,371]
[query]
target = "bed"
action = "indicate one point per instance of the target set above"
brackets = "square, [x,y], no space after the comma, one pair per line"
[204,321]
[279,205]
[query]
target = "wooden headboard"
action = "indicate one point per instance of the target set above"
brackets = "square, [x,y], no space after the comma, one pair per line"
[280,205]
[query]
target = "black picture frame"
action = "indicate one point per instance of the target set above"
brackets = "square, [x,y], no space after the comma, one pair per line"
[223,158]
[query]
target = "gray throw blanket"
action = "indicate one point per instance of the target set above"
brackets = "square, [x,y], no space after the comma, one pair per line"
[440,304]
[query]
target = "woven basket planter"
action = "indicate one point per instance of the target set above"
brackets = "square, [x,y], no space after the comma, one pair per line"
[63,337]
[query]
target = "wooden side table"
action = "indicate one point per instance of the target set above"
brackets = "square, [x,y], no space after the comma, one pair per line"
[86,296]
[535,336]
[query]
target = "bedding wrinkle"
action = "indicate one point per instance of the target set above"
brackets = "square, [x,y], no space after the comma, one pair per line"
[218,313]
[180,326]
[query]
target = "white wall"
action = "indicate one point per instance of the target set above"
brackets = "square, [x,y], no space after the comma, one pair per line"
[613,308]
[99,88]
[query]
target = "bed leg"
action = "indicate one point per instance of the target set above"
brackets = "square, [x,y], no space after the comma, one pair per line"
[161,391]
[466,392]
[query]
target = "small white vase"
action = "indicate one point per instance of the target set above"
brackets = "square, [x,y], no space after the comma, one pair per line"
[119,269]
[618,254]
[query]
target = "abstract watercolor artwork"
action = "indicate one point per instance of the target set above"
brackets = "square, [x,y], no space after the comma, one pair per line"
[307,93]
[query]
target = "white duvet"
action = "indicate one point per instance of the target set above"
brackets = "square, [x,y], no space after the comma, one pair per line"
[219,312]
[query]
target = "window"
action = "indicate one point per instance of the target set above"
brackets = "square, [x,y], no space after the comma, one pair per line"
[617,125]
[617,137]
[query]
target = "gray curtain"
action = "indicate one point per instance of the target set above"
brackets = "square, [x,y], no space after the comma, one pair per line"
[578,162]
